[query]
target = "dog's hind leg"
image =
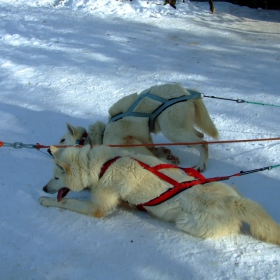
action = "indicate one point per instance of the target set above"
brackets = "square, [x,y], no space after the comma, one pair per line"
[205,225]
[162,152]
[190,135]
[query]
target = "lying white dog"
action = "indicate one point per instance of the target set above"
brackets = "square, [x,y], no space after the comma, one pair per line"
[204,210]
[169,108]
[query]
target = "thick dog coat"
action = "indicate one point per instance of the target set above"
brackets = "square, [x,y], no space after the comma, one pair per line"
[177,122]
[75,134]
[210,210]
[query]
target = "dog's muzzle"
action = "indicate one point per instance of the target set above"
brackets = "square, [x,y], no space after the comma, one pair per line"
[48,190]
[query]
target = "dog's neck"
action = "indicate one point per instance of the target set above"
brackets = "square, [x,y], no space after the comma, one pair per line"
[106,165]
[83,140]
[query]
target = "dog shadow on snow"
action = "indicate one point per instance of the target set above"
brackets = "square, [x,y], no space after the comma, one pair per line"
[32,126]
[19,124]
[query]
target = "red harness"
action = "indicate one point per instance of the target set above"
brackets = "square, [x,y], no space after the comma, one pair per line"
[177,187]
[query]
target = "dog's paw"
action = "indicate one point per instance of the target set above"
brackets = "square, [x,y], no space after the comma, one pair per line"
[47,201]
[170,156]
[163,152]
[199,168]
[173,159]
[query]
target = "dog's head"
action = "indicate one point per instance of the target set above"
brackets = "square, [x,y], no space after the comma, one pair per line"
[70,171]
[73,136]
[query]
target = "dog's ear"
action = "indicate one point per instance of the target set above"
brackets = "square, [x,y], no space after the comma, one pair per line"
[53,150]
[63,166]
[71,129]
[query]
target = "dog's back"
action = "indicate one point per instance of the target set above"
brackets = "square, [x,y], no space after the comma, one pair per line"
[215,209]
[177,122]
[207,211]
[148,105]
[122,105]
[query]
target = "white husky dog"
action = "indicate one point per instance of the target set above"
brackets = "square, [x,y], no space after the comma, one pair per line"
[168,108]
[77,135]
[205,210]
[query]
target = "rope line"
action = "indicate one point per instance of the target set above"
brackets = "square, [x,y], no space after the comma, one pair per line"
[19,145]
[38,146]
[241,101]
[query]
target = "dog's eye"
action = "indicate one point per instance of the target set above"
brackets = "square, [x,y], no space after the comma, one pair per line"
[62,140]
[56,178]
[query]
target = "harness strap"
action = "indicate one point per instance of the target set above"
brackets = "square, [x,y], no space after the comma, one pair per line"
[106,165]
[181,187]
[177,186]
[169,103]
[130,112]
[152,116]
[190,171]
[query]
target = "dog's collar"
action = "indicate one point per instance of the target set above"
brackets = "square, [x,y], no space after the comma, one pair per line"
[82,140]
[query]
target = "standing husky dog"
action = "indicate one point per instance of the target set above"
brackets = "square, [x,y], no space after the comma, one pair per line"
[136,116]
[176,122]
[210,210]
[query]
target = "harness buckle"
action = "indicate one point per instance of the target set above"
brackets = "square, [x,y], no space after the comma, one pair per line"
[240,101]
[17,145]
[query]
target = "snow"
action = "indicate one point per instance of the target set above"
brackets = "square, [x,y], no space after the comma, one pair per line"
[69,61]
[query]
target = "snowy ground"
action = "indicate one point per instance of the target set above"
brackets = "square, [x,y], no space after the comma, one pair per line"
[70,62]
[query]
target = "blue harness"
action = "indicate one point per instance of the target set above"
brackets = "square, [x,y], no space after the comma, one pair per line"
[152,116]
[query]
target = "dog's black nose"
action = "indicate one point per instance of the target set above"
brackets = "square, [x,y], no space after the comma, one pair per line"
[45,189]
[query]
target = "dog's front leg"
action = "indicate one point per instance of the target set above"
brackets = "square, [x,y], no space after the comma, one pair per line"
[83,207]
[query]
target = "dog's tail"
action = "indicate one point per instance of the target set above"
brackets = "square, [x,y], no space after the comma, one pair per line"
[203,119]
[262,226]
[95,133]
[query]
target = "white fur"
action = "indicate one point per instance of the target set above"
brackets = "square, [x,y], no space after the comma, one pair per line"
[210,210]
[177,123]
[72,134]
